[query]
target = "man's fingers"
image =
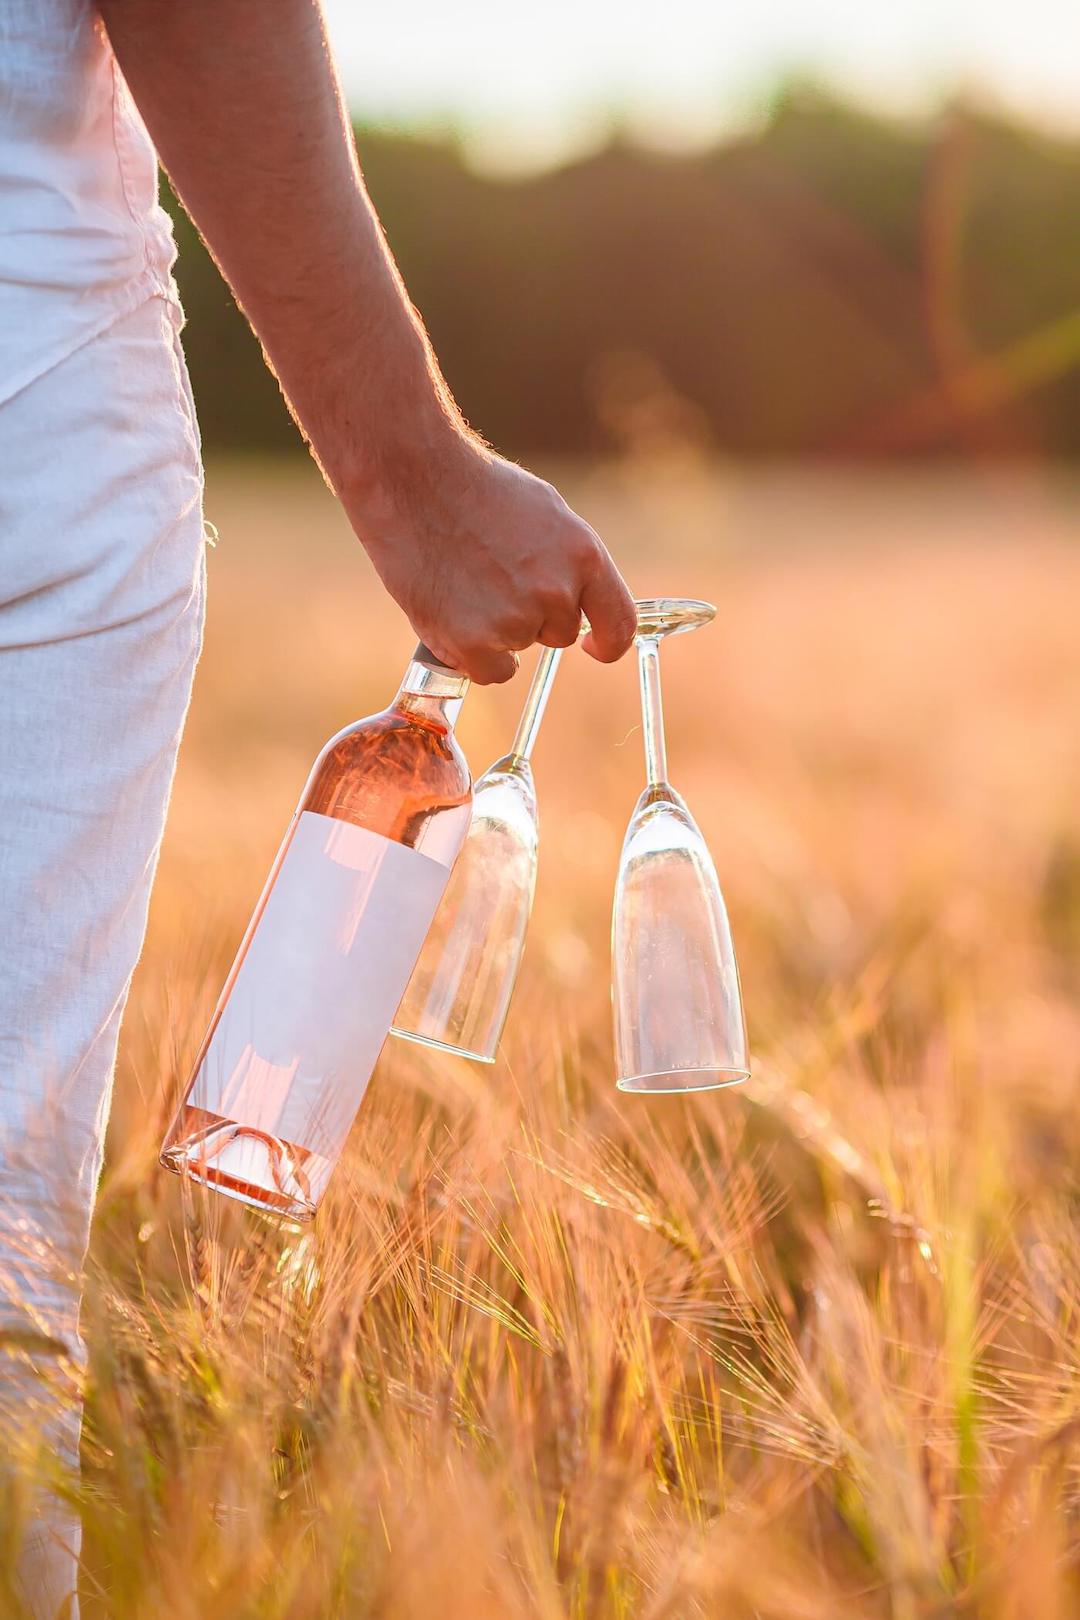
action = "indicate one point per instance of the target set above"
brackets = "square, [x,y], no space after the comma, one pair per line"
[488,668]
[560,629]
[611,613]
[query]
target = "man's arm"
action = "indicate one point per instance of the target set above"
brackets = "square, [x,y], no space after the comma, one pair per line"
[242,101]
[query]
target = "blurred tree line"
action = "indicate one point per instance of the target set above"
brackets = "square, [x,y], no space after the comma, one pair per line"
[833,284]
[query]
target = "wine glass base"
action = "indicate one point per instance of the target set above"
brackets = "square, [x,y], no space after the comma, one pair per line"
[670,615]
[441,1046]
[677,1080]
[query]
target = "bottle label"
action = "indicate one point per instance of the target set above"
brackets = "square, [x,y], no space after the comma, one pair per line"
[318,987]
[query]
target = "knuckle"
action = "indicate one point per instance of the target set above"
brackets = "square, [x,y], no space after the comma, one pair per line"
[587,554]
[517,630]
[552,497]
[559,635]
[558,599]
[589,544]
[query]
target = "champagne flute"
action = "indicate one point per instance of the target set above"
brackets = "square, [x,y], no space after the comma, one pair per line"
[675,986]
[460,990]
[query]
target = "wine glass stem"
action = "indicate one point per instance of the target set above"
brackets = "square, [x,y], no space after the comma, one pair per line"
[652,709]
[535,704]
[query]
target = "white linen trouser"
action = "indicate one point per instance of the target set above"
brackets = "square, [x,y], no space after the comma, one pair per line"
[101,610]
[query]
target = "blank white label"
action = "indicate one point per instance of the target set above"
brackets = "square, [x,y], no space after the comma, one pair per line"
[317,991]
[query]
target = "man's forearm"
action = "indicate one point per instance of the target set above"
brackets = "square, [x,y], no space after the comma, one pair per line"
[242,102]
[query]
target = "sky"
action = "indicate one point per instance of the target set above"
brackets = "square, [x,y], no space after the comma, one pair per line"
[536,81]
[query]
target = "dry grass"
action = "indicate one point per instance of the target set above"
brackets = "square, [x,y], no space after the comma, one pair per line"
[807,1351]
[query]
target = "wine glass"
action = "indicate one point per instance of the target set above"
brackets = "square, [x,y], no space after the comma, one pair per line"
[675,986]
[459,993]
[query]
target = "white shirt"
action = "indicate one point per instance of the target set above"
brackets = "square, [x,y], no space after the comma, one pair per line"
[83,239]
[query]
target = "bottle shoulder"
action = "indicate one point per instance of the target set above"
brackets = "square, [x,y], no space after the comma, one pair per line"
[404,740]
[392,773]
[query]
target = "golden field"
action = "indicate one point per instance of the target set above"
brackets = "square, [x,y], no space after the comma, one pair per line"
[806,1350]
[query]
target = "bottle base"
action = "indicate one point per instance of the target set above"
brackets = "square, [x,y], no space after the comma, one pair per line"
[245,1164]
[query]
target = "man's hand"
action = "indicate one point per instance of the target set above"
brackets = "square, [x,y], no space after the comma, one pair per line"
[485,560]
[243,104]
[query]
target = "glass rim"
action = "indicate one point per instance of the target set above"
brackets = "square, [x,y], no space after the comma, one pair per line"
[733,1076]
[441,1046]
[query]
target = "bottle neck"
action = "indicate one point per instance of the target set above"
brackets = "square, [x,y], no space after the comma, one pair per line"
[430,692]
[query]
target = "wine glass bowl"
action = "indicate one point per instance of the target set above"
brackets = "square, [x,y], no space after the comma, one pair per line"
[459,993]
[676,999]
[677,1004]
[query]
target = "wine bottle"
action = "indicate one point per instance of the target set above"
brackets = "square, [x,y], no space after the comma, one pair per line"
[328,952]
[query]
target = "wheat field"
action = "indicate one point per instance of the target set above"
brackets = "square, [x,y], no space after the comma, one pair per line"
[806,1350]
